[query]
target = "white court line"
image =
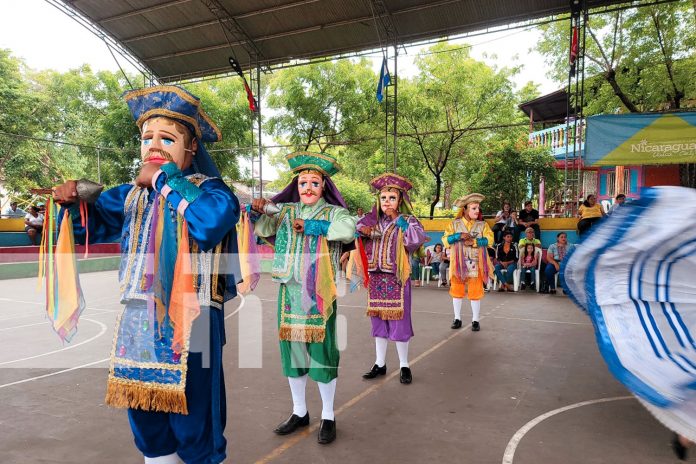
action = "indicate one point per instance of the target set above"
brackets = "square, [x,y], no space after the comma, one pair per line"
[24,316]
[46,321]
[31,379]
[541,320]
[517,437]
[70,347]
[241,305]
[12,300]
[42,303]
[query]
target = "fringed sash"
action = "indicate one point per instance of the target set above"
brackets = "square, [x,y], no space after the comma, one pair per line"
[151,343]
[305,320]
[467,261]
[306,263]
[385,297]
[356,270]
[64,299]
[249,258]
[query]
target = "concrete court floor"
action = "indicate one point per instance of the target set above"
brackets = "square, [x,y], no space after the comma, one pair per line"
[486,397]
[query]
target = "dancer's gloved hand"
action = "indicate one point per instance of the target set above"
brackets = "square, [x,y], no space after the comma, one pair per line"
[366,231]
[144,178]
[392,213]
[258,203]
[66,192]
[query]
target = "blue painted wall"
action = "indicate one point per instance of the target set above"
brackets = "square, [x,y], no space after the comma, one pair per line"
[14,239]
[547,237]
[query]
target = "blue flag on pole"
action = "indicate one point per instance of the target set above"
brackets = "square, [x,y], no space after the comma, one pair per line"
[384,80]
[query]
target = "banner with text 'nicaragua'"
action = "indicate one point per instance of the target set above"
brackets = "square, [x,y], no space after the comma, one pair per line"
[637,139]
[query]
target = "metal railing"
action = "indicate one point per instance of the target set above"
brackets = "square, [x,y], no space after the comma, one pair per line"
[558,137]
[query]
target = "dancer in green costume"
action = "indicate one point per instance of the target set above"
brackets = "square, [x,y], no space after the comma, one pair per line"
[310,223]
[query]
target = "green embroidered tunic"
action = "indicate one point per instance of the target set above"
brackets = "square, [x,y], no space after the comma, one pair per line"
[318,353]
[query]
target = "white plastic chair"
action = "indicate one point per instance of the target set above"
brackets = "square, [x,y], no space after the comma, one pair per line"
[537,270]
[426,275]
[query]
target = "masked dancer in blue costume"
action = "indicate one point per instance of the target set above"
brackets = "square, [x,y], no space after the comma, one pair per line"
[176,228]
[633,275]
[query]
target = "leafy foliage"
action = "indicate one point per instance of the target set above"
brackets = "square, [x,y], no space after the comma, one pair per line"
[639,59]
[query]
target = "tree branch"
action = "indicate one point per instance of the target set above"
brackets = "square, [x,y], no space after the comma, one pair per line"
[607,64]
[678,94]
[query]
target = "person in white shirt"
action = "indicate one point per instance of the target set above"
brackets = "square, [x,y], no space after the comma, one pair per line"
[618,202]
[13,211]
[504,219]
[33,224]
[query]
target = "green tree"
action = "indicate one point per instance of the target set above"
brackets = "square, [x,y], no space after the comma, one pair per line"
[320,105]
[87,109]
[19,113]
[226,103]
[508,170]
[441,108]
[356,194]
[329,107]
[640,59]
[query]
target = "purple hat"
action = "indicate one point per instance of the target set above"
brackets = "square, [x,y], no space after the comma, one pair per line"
[390,180]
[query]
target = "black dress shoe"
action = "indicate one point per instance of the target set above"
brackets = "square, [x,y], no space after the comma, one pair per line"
[405,375]
[457,324]
[375,371]
[293,423]
[327,431]
[475,326]
[679,449]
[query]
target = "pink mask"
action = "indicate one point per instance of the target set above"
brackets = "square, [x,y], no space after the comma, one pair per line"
[310,186]
[388,199]
[472,211]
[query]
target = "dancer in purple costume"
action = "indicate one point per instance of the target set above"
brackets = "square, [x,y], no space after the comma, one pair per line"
[390,233]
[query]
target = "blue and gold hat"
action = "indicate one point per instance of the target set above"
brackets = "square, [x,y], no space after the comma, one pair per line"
[305,161]
[175,103]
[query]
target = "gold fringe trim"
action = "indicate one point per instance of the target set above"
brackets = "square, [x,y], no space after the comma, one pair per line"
[385,314]
[302,334]
[131,395]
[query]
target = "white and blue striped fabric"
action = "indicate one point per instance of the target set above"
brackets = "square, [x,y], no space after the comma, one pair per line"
[635,276]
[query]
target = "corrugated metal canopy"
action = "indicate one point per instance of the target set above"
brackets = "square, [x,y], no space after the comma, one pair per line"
[179,39]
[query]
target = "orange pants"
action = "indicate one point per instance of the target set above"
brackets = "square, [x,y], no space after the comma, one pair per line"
[472,288]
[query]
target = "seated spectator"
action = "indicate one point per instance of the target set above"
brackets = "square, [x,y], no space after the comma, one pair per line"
[529,238]
[444,266]
[589,212]
[503,220]
[417,259]
[618,202]
[13,212]
[33,225]
[554,256]
[433,257]
[528,217]
[528,264]
[506,256]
